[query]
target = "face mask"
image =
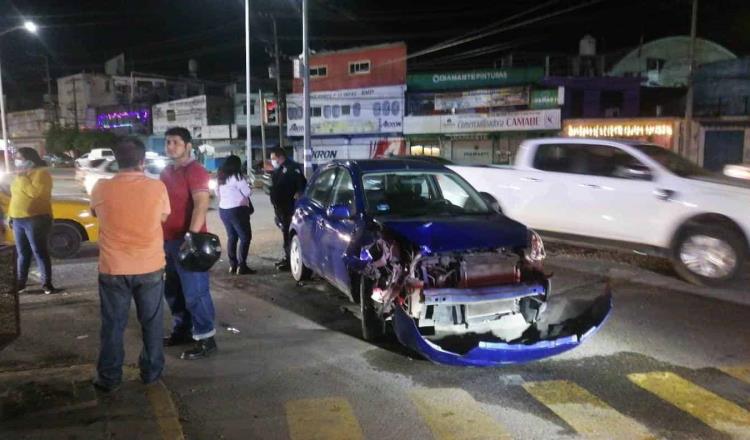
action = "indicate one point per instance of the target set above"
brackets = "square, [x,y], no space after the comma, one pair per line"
[275,163]
[22,164]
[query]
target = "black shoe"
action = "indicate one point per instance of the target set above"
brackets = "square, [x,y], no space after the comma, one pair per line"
[104,388]
[49,289]
[203,349]
[177,339]
[244,270]
[232,270]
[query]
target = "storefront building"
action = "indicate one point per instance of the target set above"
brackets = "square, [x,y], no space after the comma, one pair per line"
[356,104]
[479,116]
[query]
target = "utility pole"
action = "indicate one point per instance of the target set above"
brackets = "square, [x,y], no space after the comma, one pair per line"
[688,129]
[306,90]
[279,99]
[248,94]
[262,123]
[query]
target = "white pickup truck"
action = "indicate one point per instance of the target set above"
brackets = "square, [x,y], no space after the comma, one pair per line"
[628,195]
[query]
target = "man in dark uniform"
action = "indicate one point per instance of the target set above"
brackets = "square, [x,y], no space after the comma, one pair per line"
[287,184]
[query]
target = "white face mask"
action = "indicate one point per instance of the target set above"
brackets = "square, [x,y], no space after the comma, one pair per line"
[22,164]
[274,163]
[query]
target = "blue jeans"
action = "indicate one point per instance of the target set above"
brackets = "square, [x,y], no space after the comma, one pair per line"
[31,235]
[115,292]
[189,297]
[237,223]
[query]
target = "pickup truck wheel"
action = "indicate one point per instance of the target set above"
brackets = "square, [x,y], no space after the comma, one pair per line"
[300,272]
[64,240]
[372,325]
[708,256]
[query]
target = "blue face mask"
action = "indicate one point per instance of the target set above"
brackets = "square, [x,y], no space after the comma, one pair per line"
[22,164]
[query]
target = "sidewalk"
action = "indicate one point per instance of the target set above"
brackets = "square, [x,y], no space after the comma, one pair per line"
[53,403]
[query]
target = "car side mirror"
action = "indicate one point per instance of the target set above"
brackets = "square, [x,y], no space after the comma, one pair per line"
[635,172]
[339,212]
[490,200]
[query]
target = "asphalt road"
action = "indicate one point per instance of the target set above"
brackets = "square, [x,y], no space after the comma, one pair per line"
[672,361]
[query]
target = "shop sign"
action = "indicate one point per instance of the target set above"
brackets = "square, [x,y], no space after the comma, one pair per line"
[326,150]
[505,97]
[527,120]
[372,110]
[474,78]
[547,98]
[622,128]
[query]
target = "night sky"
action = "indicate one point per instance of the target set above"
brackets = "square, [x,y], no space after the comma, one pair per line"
[160,36]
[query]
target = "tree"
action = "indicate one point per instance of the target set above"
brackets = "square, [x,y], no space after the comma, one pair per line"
[75,142]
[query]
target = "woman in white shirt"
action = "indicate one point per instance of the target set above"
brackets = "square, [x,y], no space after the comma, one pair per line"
[235,209]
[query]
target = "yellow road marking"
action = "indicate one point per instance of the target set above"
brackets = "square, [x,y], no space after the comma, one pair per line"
[165,411]
[718,413]
[324,419]
[452,414]
[738,372]
[585,412]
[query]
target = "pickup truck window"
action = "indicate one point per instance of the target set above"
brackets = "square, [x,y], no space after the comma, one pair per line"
[593,160]
[674,163]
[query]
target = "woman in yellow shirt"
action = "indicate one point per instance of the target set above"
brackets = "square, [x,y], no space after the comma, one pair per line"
[30,211]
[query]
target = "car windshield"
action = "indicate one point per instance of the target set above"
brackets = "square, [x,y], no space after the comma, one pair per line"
[419,193]
[675,163]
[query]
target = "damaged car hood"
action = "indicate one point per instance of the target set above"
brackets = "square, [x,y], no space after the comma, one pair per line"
[460,233]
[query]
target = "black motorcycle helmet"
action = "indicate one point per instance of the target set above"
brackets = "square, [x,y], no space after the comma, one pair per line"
[199,251]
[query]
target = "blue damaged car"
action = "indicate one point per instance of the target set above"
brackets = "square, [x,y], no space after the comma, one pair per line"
[418,248]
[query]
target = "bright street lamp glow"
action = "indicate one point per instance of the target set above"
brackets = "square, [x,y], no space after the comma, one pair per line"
[30,26]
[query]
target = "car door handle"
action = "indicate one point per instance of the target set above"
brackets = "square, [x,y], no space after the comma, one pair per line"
[531,179]
[590,185]
[664,194]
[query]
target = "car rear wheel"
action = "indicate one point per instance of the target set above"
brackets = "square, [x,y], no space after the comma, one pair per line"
[64,240]
[708,256]
[372,326]
[300,272]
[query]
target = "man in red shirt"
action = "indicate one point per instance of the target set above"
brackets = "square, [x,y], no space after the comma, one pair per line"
[187,292]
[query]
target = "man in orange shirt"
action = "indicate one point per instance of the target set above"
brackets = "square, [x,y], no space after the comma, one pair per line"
[131,209]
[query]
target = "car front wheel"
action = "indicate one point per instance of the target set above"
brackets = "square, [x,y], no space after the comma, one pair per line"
[708,256]
[300,272]
[64,240]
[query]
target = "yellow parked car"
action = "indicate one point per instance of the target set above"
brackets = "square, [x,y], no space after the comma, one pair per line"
[73,224]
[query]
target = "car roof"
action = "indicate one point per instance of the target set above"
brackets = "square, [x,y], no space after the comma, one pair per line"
[568,140]
[370,165]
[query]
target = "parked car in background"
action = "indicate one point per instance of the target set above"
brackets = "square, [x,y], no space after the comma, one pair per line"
[627,195]
[59,160]
[73,224]
[82,170]
[94,154]
[435,159]
[415,245]
[108,168]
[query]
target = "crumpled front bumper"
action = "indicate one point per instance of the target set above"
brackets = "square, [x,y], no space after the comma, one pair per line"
[570,332]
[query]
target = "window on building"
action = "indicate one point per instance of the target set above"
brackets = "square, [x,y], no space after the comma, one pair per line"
[655,64]
[356,109]
[315,112]
[346,110]
[327,111]
[336,111]
[171,117]
[359,67]
[318,71]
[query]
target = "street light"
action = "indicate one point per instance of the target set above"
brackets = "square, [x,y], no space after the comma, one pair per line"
[29,26]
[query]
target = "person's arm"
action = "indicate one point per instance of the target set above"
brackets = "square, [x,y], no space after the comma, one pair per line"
[95,198]
[201,201]
[35,184]
[300,183]
[198,185]
[166,208]
[244,188]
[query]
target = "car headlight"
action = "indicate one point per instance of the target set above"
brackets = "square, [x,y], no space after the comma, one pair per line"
[535,252]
